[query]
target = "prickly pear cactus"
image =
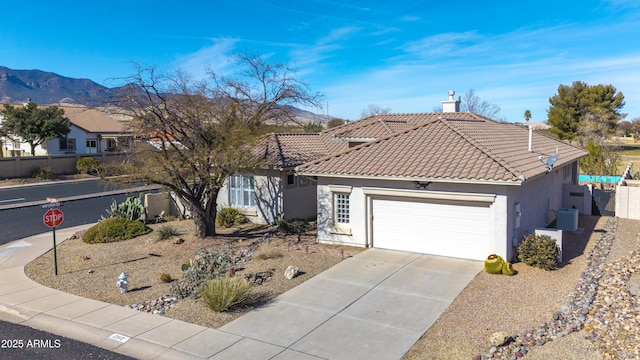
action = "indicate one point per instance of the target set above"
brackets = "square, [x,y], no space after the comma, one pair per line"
[493,264]
[507,269]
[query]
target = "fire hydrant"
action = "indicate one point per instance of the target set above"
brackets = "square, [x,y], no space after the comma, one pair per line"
[122,282]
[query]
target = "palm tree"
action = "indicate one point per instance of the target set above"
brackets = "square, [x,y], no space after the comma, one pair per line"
[527,115]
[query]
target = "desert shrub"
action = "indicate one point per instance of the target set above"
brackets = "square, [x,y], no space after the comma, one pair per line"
[42,173]
[225,292]
[88,165]
[292,226]
[164,277]
[228,217]
[132,208]
[206,264]
[539,251]
[166,232]
[114,229]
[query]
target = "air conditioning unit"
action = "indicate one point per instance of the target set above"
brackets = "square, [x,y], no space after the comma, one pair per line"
[567,219]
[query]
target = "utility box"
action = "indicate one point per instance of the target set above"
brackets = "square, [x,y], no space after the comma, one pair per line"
[567,219]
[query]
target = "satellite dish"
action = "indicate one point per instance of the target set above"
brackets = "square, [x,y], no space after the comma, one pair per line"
[551,160]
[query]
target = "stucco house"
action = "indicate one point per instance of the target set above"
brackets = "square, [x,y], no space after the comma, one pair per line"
[91,131]
[451,184]
[274,189]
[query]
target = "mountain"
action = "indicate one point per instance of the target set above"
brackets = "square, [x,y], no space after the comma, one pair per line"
[43,87]
[47,88]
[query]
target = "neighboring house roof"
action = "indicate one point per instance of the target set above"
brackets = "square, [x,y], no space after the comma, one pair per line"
[94,121]
[445,147]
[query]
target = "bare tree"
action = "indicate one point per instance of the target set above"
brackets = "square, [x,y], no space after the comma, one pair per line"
[373,109]
[471,102]
[199,133]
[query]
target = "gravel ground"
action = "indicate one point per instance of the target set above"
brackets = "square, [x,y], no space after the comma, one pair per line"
[492,303]
[91,270]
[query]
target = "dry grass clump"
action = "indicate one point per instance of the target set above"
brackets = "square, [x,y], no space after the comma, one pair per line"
[223,293]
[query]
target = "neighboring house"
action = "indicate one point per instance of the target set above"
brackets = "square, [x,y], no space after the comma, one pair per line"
[92,131]
[452,184]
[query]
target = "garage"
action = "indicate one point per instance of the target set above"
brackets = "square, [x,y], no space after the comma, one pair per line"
[440,227]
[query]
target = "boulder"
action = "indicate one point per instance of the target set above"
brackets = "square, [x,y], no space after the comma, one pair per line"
[291,272]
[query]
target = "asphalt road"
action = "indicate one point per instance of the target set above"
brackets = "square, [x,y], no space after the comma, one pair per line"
[18,342]
[29,193]
[21,213]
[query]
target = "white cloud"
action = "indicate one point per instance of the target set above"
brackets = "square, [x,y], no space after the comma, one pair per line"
[217,57]
[442,44]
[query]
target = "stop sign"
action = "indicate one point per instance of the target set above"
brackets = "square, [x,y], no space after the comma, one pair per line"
[53,217]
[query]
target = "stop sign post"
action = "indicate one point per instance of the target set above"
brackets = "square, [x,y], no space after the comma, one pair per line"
[52,218]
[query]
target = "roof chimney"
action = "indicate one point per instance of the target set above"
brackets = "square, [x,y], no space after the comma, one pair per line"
[451,105]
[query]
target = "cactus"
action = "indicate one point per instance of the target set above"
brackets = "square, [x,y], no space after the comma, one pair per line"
[507,269]
[132,208]
[493,264]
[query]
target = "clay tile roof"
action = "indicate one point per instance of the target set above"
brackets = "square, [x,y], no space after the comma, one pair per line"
[450,146]
[289,150]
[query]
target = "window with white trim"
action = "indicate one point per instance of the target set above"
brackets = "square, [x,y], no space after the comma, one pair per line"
[341,208]
[242,191]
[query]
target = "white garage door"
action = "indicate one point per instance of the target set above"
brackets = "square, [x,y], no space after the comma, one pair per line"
[447,229]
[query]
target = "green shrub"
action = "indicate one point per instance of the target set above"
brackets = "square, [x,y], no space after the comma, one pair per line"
[225,292]
[114,229]
[539,251]
[42,173]
[166,232]
[88,165]
[292,226]
[132,208]
[164,277]
[228,217]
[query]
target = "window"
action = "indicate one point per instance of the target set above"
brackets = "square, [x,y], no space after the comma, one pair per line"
[291,180]
[341,207]
[241,191]
[111,144]
[68,144]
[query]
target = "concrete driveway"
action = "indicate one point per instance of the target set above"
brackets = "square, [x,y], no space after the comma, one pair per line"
[375,305]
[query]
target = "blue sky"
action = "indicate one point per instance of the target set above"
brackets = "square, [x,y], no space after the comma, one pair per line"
[400,55]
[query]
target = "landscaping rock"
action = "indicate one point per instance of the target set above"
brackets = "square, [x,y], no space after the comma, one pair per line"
[499,338]
[291,272]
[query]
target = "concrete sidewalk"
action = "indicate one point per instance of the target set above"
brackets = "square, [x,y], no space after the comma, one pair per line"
[375,305]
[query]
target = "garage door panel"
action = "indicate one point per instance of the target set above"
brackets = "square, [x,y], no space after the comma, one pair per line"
[435,228]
